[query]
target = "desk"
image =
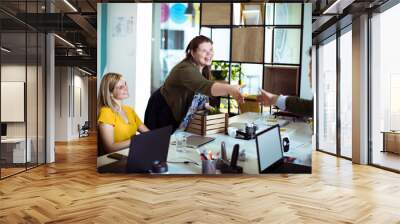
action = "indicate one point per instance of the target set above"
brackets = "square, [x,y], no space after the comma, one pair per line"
[13,150]
[298,132]
[391,141]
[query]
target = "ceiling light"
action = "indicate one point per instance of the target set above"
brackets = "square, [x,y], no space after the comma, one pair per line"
[70,5]
[338,6]
[84,71]
[5,50]
[64,40]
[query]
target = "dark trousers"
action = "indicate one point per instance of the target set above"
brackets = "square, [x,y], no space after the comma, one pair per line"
[158,114]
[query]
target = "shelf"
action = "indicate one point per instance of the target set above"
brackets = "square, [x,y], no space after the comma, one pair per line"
[281,80]
[215,14]
[262,35]
[248,44]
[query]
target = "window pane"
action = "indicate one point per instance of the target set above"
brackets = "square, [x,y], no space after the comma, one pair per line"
[288,14]
[236,14]
[385,87]
[327,97]
[268,45]
[31,99]
[287,46]
[252,78]
[346,94]
[269,14]
[236,73]
[221,40]
[205,31]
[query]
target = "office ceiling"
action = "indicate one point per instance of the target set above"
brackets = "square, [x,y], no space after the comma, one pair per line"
[332,15]
[74,21]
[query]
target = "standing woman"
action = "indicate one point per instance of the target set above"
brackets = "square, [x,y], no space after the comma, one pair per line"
[170,103]
[117,122]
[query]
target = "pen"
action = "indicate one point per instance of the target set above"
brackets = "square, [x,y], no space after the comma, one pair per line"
[203,157]
[210,155]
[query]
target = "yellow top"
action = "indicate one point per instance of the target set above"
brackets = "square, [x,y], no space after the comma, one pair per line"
[122,130]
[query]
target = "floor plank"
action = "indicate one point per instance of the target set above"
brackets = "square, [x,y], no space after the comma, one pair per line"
[71,191]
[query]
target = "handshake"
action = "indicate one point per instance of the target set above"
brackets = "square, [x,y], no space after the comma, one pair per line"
[264,97]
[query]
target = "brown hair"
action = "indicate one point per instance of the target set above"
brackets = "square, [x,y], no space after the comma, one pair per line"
[107,86]
[192,47]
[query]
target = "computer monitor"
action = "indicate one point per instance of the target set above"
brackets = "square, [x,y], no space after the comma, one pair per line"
[3,129]
[269,147]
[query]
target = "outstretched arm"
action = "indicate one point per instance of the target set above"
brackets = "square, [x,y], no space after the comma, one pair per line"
[222,89]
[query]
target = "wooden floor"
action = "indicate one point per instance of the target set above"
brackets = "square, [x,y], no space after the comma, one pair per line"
[71,191]
[386,159]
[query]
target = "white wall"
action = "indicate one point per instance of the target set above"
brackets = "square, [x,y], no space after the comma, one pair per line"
[69,82]
[128,47]
[61,103]
[79,117]
[143,58]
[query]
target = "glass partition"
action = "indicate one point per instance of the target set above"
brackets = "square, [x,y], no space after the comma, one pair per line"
[385,89]
[346,93]
[326,119]
[22,88]
[14,153]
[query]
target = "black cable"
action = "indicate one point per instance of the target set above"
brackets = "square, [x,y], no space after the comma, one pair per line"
[185,162]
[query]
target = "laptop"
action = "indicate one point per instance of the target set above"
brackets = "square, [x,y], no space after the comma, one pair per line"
[143,151]
[270,154]
[195,141]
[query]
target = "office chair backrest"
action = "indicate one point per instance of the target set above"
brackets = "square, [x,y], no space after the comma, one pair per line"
[86,126]
[100,145]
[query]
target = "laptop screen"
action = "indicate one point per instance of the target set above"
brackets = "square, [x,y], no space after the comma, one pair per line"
[269,147]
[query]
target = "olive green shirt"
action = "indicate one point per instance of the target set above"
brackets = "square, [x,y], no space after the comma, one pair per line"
[179,88]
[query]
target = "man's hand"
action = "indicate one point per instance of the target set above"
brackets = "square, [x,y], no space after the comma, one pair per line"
[267,98]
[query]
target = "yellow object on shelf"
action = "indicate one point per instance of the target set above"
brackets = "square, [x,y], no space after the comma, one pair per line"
[250,104]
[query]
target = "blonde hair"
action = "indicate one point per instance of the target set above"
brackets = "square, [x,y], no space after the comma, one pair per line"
[107,86]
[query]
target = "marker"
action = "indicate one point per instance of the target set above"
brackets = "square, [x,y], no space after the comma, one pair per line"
[217,156]
[223,152]
[210,155]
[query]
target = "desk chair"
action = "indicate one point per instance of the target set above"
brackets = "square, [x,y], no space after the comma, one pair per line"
[100,145]
[250,105]
[84,129]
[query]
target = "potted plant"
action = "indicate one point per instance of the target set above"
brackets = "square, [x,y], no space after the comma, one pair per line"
[219,70]
[236,72]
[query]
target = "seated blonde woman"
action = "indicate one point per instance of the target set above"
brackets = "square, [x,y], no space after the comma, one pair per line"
[117,122]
